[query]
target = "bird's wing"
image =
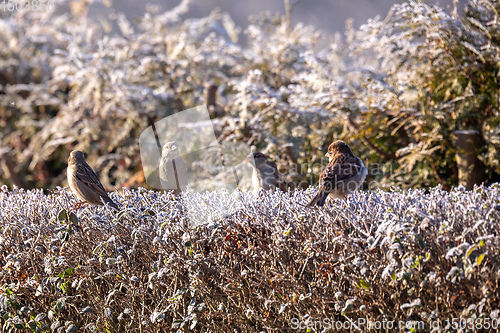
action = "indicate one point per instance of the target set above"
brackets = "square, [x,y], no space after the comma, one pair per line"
[86,175]
[270,169]
[169,177]
[340,169]
[182,172]
[269,173]
[182,165]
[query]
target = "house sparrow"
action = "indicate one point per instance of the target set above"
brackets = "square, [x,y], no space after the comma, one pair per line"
[84,182]
[265,173]
[343,175]
[173,169]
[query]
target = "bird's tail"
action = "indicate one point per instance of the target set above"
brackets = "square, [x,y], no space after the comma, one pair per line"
[318,200]
[112,203]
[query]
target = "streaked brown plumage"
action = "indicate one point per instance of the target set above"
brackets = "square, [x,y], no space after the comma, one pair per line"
[84,182]
[265,173]
[173,170]
[343,175]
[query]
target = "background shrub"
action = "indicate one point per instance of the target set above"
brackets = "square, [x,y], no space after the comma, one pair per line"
[395,89]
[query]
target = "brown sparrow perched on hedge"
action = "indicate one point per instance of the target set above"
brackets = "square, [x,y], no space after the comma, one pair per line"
[173,169]
[343,175]
[84,182]
[265,173]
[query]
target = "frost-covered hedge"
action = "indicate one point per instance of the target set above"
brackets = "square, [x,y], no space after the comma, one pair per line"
[221,262]
[395,90]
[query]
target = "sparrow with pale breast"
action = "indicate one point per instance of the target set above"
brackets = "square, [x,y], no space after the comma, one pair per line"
[343,175]
[84,182]
[265,173]
[173,169]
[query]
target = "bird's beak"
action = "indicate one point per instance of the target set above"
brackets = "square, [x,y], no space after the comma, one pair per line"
[328,154]
[174,147]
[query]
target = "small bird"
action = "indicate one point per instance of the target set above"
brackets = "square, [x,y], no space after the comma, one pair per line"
[265,173]
[173,169]
[84,182]
[343,175]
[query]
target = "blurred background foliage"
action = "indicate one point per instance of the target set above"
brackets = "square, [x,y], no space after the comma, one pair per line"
[395,89]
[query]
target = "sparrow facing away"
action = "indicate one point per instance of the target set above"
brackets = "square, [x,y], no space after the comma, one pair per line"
[173,169]
[84,182]
[342,176]
[265,173]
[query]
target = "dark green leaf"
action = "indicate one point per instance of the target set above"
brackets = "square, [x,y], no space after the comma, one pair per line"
[63,215]
[73,218]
